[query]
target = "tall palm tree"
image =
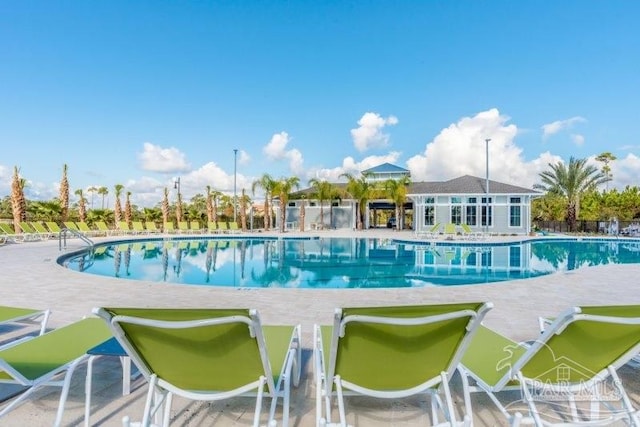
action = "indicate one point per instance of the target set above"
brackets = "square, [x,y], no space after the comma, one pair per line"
[117,209]
[179,207]
[283,187]
[92,190]
[215,196]
[82,207]
[322,191]
[64,193]
[606,158]
[209,197]
[165,206]
[103,191]
[128,211]
[360,190]
[267,183]
[17,199]
[244,201]
[571,182]
[396,191]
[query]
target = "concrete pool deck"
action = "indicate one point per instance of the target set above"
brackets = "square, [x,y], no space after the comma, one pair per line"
[31,277]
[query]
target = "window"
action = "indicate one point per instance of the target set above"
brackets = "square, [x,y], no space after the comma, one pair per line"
[456,210]
[429,211]
[487,217]
[515,212]
[472,215]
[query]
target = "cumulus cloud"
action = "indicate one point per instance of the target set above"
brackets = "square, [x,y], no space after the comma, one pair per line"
[165,160]
[577,139]
[276,150]
[460,149]
[351,166]
[369,133]
[558,125]
[243,157]
[624,171]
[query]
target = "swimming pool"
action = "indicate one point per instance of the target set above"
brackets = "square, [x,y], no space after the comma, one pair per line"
[331,263]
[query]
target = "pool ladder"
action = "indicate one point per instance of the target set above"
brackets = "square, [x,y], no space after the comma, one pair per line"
[62,238]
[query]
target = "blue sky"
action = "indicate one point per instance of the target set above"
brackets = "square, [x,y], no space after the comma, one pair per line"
[139,93]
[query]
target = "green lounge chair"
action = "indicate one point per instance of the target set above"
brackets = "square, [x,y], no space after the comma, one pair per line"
[41,230]
[10,315]
[194,227]
[169,228]
[10,234]
[392,353]
[28,230]
[430,233]
[572,363]
[71,225]
[223,227]
[137,227]
[53,227]
[212,227]
[124,228]
[42,360]
[469,234]
[86,230]
[207,355]
[151,227]
[234,228]
[183,227]
[103,228]
[450,231]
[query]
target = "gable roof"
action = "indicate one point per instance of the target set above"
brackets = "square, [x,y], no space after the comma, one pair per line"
[385,168]
[466,184]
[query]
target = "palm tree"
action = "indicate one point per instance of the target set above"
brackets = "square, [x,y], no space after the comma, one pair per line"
[209,197]
[117,210]
[571,182]
[360,190]
[17,199]
[82,207]
[128,211]
[103,191]
[322,191]
[396,190]
[267,184]
[282,189]
[215,196]
[92,190]
[605,158]
[179,207]
[244,201]
[165,206]
[64,193]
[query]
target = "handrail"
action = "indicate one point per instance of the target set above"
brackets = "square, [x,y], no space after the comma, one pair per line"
[62,237]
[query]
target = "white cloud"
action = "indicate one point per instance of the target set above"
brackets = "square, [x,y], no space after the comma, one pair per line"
[243,158]
[624,172]
[558,125]
[350,166]
[276,149]
[577,139]
[369,133]
[460,149]
[165,160]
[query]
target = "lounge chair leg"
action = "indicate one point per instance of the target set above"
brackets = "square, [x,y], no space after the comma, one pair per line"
[65,390]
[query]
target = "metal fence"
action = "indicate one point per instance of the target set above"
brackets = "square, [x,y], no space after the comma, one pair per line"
[590,227]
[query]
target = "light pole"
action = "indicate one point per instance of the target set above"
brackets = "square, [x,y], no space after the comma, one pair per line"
[235,177]
[176,185]
[486,220]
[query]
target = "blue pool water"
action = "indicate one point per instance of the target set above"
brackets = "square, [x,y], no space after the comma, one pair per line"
[343,262]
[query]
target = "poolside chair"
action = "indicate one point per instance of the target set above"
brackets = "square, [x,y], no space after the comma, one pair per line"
[11,315]
[103,228]
[28,230]
[234,228]
[469,234]
[392,353]
[212,227]
[223,227]
[10,234]
[430,233]
[194,227]
[124,228]
[168,227]
[151,227]
[207,355]
[137,227]
[450,231]
[565,376]
[86,230]
[183,227]
[53,227]
[71,225]
[41,230]
[42,361]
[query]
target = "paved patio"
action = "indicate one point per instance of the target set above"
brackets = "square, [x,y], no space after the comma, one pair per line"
[31,277]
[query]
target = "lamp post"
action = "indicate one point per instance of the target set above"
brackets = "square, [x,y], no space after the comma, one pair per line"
[176,185]
[486,220]
[235,177]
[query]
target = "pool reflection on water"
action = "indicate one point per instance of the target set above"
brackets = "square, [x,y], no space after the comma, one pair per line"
[343,262]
